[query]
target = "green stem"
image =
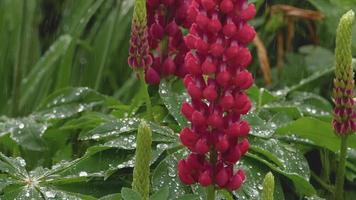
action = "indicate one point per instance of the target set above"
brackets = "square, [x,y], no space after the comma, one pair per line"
[325,160]
[322,182]
[144,87]
[339,185]
[210,191]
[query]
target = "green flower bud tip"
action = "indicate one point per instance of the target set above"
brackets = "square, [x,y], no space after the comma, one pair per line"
[344,121]
[140,12]
[268,187]
[141,173]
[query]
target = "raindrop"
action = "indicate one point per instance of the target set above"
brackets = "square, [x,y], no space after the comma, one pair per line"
[83,174]
[50,194]
[21,126]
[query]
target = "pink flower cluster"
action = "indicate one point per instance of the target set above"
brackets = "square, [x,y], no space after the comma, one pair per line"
[165,19]
[216,82]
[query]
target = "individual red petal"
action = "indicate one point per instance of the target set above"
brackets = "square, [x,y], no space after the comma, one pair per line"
[215,120]
[194,91]
[242,175]
[223,144]
[244,145]
[202,20]
[217,49]
[221,177]
[172,28]
[169,66]
[248,13]
[205,178]
[234,183]
[202,146]
[195,161]
[244,80]
[198,119]
[232,155]
[244,128]
[208,4]
[210,93]
[190,40]
[156,31]
[229,29]
[227,101]
[214,24]
[208,67]
[245,34]
[187,110]
[223,78]
[152,77]
[188,137]
[184,173]
[226,6]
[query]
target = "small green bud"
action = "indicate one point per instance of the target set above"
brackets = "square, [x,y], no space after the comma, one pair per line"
[140,12]
[268,187]
[141,173]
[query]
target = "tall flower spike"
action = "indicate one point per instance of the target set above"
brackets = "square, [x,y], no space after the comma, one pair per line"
[139,57]
[344,121]
[141,173]
[216,82]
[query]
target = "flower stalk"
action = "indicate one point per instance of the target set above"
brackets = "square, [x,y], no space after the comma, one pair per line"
[344,121]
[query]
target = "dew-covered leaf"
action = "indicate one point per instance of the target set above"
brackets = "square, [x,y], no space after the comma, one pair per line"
[116,127]
[165,174]
[284,159]
[252,187]
[161,194]
[261,96]
[14,167]
[317,131]
[116,196]
[173,101]
[130,194]
[26,132]
[67,102]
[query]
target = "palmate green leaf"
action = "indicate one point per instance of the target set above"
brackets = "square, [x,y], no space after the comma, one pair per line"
[252,187]
[111,197]
[284,159]
[317,131]
[165,174]
[33,83]
[116,127]
[31,185]
[173,101]
[129,194]
[67,102]
[28,131]
[161,194]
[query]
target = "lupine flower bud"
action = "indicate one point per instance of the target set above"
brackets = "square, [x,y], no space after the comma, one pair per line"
[216,43]
[344,121]
[268,187]
[141,173]
[139,57]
